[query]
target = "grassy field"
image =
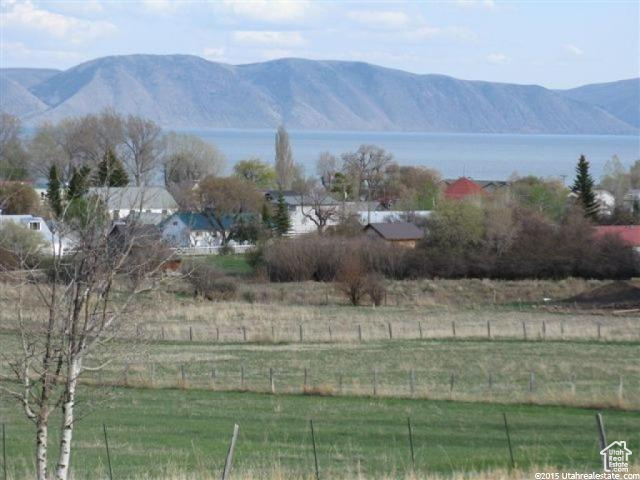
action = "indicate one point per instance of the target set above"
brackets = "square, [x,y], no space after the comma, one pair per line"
[153,432]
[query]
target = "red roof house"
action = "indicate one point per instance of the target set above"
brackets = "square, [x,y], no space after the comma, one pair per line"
[629,234]
[462,188]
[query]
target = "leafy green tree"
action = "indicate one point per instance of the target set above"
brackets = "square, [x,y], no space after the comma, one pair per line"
[583,188]
[54,193]
[256,171]
[548,197]
[281,220]
[111,171]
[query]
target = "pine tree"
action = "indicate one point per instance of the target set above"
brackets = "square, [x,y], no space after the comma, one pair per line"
[583,188]
[79,183]
[111,172]
[282,221]
[54,195]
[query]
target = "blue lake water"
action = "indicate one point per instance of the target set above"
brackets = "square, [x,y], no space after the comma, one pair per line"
[480,156]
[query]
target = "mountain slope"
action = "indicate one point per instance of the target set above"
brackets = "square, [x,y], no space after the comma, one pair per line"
[18,101]
[621,99]
[28,77]
[190,92]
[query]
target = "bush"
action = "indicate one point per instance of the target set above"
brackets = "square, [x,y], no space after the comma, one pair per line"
[209,282]
[352,280]
[375,288]
[19,246]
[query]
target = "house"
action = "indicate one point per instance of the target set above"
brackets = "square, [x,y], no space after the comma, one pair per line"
[122,201]
[606,202]
[301,207]
[488,186]
[628,234]
[399,233]
[385,216]
[189,230]
[631,201]
[463,188]
[54,244]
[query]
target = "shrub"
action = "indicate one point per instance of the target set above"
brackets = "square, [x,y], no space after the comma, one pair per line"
[375,288]
[209,282]
[19,246]
[351,280]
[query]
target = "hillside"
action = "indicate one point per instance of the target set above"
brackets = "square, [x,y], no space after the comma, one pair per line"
[189,92]
[621,99]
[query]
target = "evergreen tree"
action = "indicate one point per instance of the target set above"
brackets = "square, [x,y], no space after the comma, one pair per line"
[111,172]
[54,194]
[583,188]
[282,221]
[79,183]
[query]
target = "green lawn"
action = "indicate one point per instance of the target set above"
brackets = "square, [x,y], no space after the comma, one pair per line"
[230,264]
[152,431]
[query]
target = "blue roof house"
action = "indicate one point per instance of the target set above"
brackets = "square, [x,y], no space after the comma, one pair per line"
[190,230]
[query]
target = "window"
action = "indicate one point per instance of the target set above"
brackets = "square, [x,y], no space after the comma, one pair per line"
[34,225]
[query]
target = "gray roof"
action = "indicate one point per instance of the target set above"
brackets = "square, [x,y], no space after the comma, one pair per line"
[136,198]
[294,199]
[396,230]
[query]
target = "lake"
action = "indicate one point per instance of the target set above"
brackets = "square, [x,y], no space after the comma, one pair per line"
[480,156]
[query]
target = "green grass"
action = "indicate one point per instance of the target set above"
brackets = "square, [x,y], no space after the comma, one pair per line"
[230,264]
[151,431]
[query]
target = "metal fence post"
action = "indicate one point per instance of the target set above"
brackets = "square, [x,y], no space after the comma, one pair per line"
[413,458]
[506,429]
[315,453]
[229,460]
[106,443]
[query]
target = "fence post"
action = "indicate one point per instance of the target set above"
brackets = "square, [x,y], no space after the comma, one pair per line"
[191,334]
[452,380]
[330,333]
[532,380]
[562,329]
[524,331]
[106,443]
[420,329]
[375,382]
[4,452]
[229,460]
[413,458]
[599,337]
[602,438]
[272,381]
[217,334]
[273,333]
[315,453]
[506,429]
[301,334]
[489,329]
[359,333]
[305,378]
[390,331]
[544,330]
[620,389]
[490,382]
[182,374]
[162,333]
[244,333]
[453,328]
[412,382]
[213,378]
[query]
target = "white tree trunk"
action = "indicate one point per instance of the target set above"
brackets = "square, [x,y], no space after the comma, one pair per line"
[66,433]
[42,431]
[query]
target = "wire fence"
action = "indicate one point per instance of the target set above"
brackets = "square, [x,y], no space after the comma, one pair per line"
[580,389]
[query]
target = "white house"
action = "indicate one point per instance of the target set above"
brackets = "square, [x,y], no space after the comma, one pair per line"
[122,201]
[54,243]
[190,230]
[388,216]
[606,202]
[301,207]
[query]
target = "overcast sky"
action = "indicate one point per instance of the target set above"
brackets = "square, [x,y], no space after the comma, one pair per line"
[544,42]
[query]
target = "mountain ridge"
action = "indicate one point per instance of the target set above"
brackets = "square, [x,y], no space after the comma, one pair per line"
[186,91]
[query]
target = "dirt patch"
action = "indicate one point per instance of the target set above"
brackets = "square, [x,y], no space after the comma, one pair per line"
[621,294]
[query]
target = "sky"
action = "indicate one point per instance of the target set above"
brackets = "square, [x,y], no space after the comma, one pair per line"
[550,43]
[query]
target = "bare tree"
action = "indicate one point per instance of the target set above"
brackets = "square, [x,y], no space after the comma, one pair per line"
[65,323]
[187,160]
[326,168]
[13,159]
[225,200]
[285,168]
[366,168]
[317,205]
[142,147]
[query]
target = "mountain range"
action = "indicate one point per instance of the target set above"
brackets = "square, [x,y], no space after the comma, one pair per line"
[183,91]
